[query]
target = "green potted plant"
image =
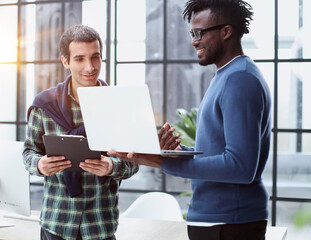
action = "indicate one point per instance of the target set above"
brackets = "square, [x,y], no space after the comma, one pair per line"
[186,126]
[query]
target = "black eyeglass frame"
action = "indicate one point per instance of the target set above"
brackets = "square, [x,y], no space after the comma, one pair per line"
[198,33]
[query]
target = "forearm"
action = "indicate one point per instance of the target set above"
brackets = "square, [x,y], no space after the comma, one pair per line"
[123,169]
[219,168]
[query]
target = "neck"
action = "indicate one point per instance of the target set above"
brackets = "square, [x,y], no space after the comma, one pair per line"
[230,53]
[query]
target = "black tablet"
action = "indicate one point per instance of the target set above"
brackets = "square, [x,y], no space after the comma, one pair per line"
[73,147]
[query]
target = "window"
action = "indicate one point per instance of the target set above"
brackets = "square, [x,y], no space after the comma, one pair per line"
[146,41]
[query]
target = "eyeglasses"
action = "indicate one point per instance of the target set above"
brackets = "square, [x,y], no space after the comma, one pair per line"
[198,33]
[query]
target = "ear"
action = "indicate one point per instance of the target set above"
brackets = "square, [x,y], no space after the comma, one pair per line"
[227,32]
[65,62]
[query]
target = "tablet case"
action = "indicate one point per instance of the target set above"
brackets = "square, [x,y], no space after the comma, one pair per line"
[73,147]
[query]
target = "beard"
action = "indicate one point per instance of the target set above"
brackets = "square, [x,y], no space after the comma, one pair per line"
[211,56]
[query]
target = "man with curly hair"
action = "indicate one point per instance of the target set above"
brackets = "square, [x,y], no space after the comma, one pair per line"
[229,199]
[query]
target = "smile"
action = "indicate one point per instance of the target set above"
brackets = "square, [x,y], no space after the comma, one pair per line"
[200,51]
[88,75]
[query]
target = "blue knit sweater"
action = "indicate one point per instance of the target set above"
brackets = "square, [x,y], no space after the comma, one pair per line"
[233,131]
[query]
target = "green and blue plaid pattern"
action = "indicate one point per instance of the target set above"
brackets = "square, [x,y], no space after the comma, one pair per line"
[95,212]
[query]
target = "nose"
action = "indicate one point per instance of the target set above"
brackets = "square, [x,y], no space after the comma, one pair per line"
[89,66]
[194,42]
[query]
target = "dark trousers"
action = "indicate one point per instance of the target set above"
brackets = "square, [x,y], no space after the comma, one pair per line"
[45,235]
[244,231]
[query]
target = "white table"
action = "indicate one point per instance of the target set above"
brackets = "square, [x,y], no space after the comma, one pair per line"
[128,229]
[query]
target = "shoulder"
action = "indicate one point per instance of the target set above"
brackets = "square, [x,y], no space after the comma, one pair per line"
[46,95]
[244,74]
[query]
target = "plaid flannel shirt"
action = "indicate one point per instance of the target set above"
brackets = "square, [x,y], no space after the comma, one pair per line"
[95,211]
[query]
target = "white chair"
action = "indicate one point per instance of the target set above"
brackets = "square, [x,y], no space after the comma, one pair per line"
[155,205]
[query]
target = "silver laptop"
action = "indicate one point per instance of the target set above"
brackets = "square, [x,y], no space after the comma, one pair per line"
[121,118]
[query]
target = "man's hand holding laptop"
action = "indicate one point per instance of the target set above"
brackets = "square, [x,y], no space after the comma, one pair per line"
[168,141]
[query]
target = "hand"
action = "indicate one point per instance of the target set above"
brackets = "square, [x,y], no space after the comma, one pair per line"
[167,139]
[100,167]
[138,158]
[48,166]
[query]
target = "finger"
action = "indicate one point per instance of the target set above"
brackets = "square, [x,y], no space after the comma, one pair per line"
[89,169]
[166,126]
[96,165]
[111,152]
[99,170]
[169,133]
[176,144]
[172,143]
[169,139]
[93,161]
[165,137]
[55,158]
[55,169]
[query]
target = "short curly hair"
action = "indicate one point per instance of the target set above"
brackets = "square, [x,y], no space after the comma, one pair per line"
[237,12]
[78,33]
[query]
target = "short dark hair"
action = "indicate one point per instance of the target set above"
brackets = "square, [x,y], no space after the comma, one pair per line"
[237,12]
[78,33]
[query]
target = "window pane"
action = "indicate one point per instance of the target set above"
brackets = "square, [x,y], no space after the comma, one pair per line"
[286,212]
[8,1]
[139,35]
[294,168]
[154,30]
[102,74]
[178,41]
[28,32]
[131,74]
[186,86]
[94,15]
[8,132]
[48,29]
[22,132]
[8,41]
[290,142]
[41,0]
[259,43]
[147,178]
[267,70]
[306,142]
[154,80]
[293,95]
[294,37]
[8,92]
[42,29]
[267,174]
[44,76]
[28,88]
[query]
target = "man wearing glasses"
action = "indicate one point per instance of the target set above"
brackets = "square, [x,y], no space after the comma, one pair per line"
[229,199]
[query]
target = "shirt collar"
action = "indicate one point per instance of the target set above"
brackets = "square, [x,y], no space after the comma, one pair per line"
[229,62]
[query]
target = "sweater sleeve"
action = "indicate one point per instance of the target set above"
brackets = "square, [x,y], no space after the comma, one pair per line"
[242,105]
[123,169]
[33,145]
